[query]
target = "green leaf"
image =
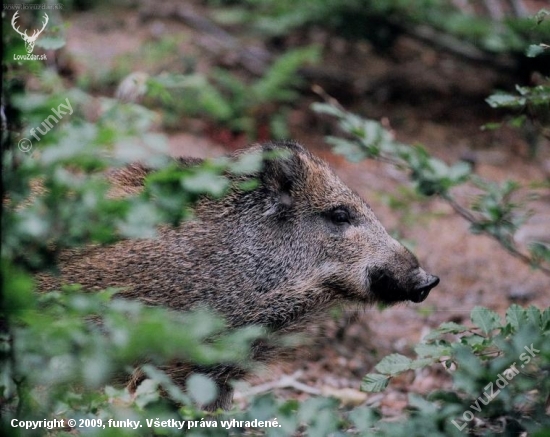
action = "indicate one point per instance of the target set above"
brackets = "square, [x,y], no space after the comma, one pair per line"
[122,394]
[505,100]
[205,182]
[432,350]
[491,126]
[146,393]
[473,340]
[422,362]
[517,122]
[533,315]
[417,401]
[393,364]
[350,149]
[485,318]
[248,163]
[276,83]
[364,419]
[534,50]
[17,287]
[325,108]
[374,382]
[541,15]
[514,315]
[446,328]
[459,172]
[202,389]
[540,252]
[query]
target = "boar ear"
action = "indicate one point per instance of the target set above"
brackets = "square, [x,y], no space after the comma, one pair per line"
[283,171]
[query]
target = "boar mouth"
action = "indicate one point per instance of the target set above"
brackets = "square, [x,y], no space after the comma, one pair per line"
[388,290]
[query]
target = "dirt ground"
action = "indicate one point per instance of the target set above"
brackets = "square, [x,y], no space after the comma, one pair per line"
[428,98]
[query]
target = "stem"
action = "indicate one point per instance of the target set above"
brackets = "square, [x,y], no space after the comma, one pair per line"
[466,214]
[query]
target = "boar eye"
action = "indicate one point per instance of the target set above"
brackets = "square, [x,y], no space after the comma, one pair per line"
[339,216]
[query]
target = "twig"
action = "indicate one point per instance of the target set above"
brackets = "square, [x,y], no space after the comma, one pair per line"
[286,381]
[464,213]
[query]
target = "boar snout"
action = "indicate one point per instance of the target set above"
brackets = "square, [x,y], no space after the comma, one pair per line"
[391,288]
[420,293]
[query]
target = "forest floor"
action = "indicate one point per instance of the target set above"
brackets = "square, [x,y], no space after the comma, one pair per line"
[427,97]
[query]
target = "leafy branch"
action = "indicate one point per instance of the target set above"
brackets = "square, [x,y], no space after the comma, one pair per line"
[493,213]
[490,338]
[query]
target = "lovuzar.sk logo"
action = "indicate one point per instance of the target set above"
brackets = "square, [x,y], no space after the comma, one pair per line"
[29,40]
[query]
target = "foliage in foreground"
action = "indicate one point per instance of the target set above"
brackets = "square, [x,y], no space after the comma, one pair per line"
[500,370]
[482,360]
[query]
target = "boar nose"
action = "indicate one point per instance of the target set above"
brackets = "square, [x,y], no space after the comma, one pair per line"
[421,291]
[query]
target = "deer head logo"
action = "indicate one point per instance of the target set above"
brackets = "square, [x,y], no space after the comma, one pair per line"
[29,40]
